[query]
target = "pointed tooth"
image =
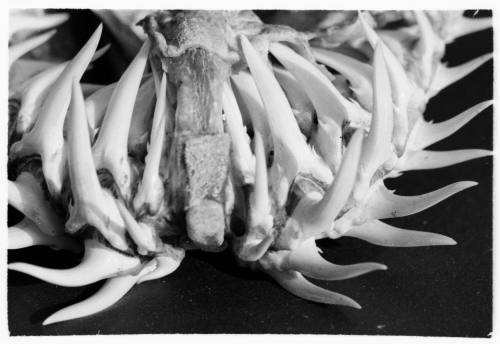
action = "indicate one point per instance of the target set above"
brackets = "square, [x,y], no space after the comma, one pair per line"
[384,204]
[19,49]
[142,117]
[425,133]
[307,260]
[110,148]
[46,137]
[464,26]
[358,73]
[27,196]
[91,204]
[426,160]
[24,22]
[95,106]
[380,233]
[446,76]
[99,262]
[296,284]
[242,157]
[165,264]
[151,190]
[425,46]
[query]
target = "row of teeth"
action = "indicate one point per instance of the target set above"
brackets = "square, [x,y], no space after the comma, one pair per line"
[76,136]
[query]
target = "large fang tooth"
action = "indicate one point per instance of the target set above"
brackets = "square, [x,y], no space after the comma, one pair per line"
[425,133]
[358,73]
[26,196]
[91,204]
[99,262]
[25,22]
[379,233]
[110,148]
[426,160]
[384,204]
[46,137]
[242,157]
[19,49]
[151,190]
[445,76]
[307,260]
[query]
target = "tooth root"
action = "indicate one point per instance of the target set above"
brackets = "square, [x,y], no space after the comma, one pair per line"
[46,137]
[22,22]
[92,204]
[446,76]
[306,260]
[358,73]
[26,196]
[425,134]
[243,159]
[110,148]
[384,204]
[296,284]
[426,160]
[19,49]
[166,264]
[151,190]
[111,292]
[465,26]
[99,262]
[380,233]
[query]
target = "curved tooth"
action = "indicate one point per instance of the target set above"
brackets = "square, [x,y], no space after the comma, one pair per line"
[377,148]
[110,148]
[91,204]
[19,49]
[99,262]
[25,22]
[384,204]
[292,153]
[242,157]
[307,260]
[426,160]
[358,73]
[446,76]
[425,133]
[151,190]
[380,233]
[142,117]
[46,137]
[26,195]
[166,263]
[425,47]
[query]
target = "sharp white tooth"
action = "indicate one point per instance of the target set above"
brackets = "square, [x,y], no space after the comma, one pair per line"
[19,49]
[425,133]
[25,22]
[26,196]
[379,233]
[46,137]
[166,263]
[242,157]
[91,204]
[358,73]
[426,160]
[110,148]
[384,204]
[446,76]
[99,262]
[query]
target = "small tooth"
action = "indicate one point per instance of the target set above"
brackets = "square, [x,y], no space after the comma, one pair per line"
[91,204]
[380,233]
[19,49]
[110,148]
[46,137]
[26,196]
[23,22]
[426,160]
[88,89]
[425,133]
[95,106]
[296,284]
[424,49]
[358,73]
[111,292]
[151,190]
[307,260]
[446,76]
[166,263]
[142,117]
[242,157]
[99,262]
[384,204]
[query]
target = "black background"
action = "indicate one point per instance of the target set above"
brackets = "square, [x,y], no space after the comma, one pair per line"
[430,291]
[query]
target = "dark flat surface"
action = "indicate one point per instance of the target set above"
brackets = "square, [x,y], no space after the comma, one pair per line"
[427,291]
